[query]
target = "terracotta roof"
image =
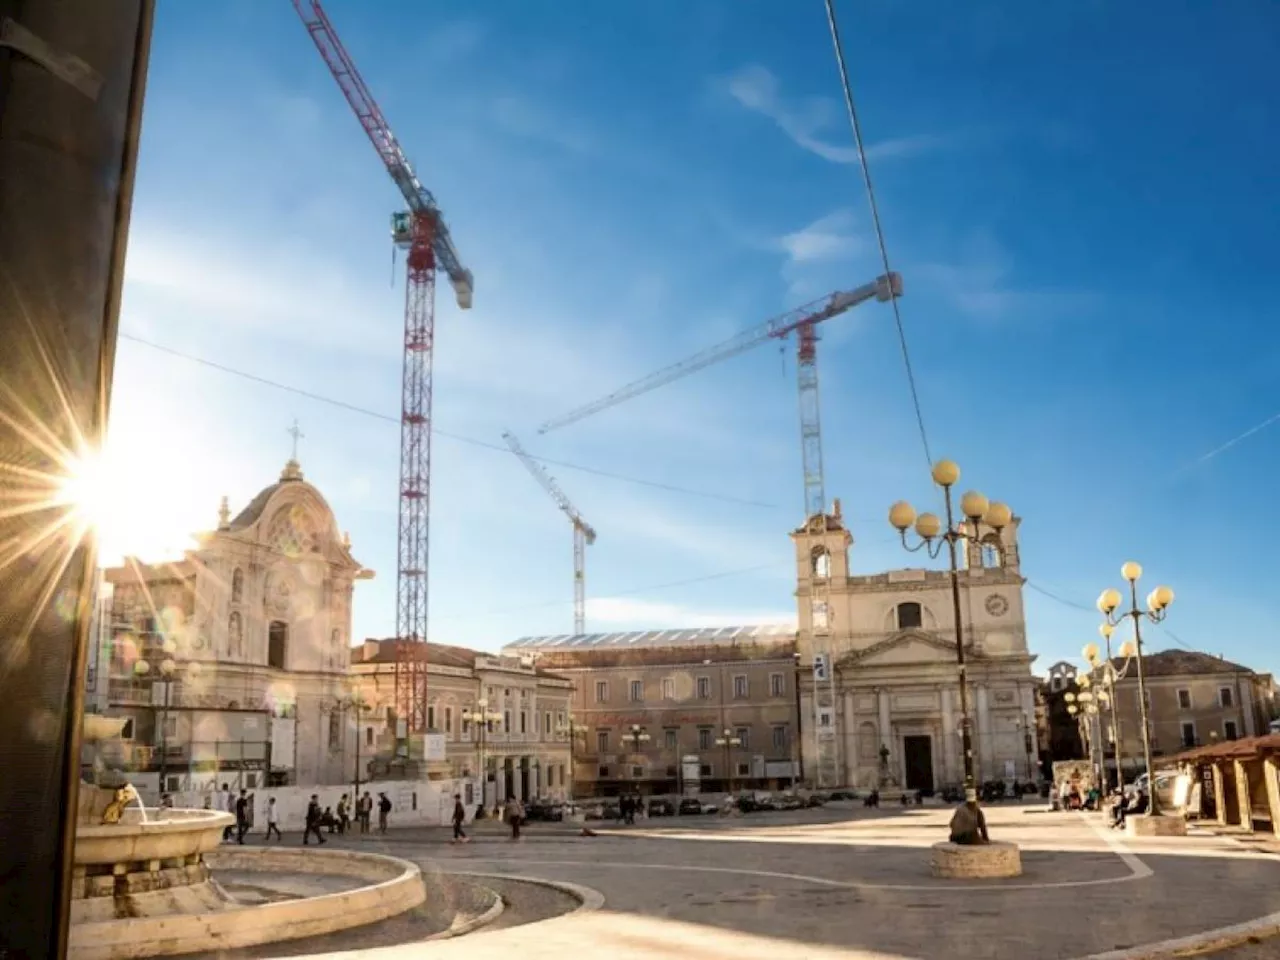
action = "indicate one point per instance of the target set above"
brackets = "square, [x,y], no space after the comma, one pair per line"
[1228,749]
[1177,663]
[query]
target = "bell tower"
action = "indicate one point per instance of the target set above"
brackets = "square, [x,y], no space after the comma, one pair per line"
[822,569]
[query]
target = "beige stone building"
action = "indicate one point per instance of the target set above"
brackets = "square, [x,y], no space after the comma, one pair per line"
[255,623]
[523,746]
[651,708]
[879,684]
[1195,699]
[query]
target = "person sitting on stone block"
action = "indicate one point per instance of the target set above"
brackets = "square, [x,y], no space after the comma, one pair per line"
[968,825]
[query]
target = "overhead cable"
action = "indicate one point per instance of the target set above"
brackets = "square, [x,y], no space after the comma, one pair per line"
[460,438]
[875,218]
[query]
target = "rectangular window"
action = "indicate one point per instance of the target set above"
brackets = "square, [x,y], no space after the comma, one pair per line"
[448,719]
[335,734]
[704,770]
[603,771]
[602,691]
[672,739]
[466,724]
[560,724]
[524,721]
[668,688]
[1229,729]
[546,724]
[1225,698]
[368,736]
[779,738]
[671,772]
[637,773]
[704,688]
[506,721]
[704,738]
[602,741]
[431,718]
[1188,732]
[171,728]
[744,769]
[744,737]
[740,686]
[1184,699]
[637,691]
[777,685]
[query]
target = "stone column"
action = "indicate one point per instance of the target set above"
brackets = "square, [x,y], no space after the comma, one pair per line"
[949,738]
[984,734]
[849,734]
[1219,795]
[1243,796]
[885,729]
[1271,770]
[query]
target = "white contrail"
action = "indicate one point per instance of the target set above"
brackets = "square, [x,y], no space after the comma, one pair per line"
[1231,443]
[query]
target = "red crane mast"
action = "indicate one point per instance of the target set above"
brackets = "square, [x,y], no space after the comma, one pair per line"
[422,231]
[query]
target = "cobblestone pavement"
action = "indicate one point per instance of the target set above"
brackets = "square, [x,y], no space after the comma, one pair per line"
[856,884]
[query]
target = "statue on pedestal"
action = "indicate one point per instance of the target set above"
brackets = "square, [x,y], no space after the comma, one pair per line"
[886,777]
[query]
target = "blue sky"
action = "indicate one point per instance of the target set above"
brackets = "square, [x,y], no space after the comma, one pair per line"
[1080,199]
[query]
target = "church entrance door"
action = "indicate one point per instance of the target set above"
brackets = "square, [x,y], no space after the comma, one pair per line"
[917,753]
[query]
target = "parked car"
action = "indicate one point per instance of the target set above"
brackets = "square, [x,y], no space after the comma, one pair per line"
[816,800]
[690,806]
[659,807]
[790,801]
[843,795]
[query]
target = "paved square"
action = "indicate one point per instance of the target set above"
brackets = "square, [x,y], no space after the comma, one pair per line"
[856,884]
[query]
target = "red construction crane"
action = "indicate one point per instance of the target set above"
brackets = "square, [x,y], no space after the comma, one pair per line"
[422,231]
[583,533]
[804,322]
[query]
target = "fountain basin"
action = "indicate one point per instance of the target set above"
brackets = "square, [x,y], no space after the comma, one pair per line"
[392,886]
[165,835]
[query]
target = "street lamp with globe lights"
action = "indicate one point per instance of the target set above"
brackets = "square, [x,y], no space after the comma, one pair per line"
[728,741]
[932,533]
[1158,601]
[482,716]
[1109,674]
[637,736]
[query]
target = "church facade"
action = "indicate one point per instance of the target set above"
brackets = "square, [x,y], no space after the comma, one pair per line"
[880,693]
[254,627]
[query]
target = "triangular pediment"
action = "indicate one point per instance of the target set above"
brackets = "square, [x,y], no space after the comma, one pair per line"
[905,647]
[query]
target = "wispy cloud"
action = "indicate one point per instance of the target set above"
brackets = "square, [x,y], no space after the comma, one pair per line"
[827,238]
[521,117]
[658,615]
[981,284]
[806,121]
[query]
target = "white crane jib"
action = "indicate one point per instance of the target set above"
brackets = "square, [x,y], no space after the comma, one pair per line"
[583,533]
[803,321]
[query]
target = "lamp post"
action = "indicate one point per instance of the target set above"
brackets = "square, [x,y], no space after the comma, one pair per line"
[357,705]
[1082,706]
[637,736]
[1109,675]
[976,509]
[168,669]
[728,741]
[482,716]
[1158,601]
[1025,724]
[569,728]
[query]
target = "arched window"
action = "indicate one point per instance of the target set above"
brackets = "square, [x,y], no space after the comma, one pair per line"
[821,563]
[992,558]
[910,615]
[237,586]
[277,643]
[235,635]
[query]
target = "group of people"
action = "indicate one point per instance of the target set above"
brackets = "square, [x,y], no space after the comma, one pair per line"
[629,804]
[241,806]
[1069,796]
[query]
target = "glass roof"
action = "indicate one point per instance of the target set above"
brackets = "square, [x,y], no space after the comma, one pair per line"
[698,637]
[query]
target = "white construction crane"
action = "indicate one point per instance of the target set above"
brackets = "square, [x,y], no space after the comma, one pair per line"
[583,533]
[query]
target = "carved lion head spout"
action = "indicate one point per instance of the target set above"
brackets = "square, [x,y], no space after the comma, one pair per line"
[115,809]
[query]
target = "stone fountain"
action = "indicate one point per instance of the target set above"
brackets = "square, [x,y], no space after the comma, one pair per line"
[127,864]
[141,886]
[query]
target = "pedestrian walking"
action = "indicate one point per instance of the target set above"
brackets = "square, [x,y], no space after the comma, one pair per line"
[273,820]
[242,816]
[313,821]
[515,816]
[226,803]
[366,812]
[459,818]
[384,810]
[344,817]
